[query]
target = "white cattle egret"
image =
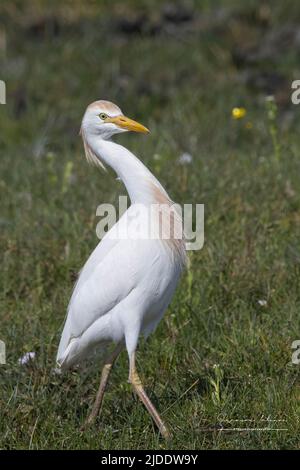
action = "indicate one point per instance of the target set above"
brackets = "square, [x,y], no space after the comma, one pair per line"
[128,281]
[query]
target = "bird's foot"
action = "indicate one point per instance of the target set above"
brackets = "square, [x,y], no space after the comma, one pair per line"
[88,422]
[165,432]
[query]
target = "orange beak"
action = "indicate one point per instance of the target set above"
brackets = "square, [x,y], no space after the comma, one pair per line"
[128,124]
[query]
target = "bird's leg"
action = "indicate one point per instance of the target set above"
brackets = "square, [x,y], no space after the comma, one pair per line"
[138,387]
[109,362]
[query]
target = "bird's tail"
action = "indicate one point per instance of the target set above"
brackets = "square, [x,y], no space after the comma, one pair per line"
[78,348]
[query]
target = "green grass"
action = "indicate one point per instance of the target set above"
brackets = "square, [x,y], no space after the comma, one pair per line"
[217,355]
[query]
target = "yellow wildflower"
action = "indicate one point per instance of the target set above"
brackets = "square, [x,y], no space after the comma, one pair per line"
[238,113]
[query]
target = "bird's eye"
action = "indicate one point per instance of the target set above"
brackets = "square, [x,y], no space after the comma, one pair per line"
[103,116]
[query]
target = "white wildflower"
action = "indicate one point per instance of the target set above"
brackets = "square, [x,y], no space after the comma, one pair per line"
[26,358]
[56,371]
[185,159]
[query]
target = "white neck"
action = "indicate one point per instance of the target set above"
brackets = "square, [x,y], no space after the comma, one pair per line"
[141,184]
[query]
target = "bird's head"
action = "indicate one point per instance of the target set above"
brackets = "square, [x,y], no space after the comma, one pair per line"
[105,119]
